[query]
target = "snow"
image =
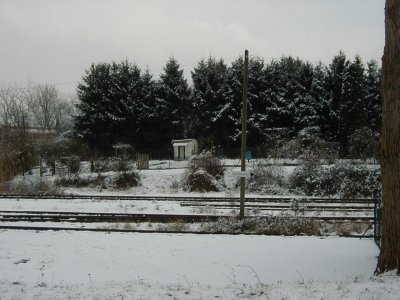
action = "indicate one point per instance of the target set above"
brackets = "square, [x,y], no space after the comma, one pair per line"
[57,265]
[113,265]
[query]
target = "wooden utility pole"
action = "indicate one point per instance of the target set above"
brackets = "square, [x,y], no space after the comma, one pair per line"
[244,129]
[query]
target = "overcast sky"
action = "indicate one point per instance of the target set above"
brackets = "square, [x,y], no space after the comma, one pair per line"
[54,41]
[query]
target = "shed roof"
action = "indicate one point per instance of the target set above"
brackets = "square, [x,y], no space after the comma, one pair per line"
[179,144]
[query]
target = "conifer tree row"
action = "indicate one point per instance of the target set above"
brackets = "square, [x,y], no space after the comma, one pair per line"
[118,103]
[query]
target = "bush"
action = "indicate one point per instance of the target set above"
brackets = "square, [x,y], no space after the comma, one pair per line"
[350,181]
[266,179]
[127,180]
[305,177]
[78,182]
[364,143]
[74,164]
[30,185]
[63,146]
[308,140]
[201,181]
[283,224]
[342,179]
[116,164]
[205,173]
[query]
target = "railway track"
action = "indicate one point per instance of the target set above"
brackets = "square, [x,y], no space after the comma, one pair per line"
[334,206]
[27,220]
[287,206]
[85,217]
[285,199]
[53,228]
[80,217]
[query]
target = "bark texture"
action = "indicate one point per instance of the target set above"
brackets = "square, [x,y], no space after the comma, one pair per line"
[389,258]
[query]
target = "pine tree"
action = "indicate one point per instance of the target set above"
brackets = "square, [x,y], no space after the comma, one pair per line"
[108,97]
[352,112]
[126,96]
[173,106]
[231,112]
[321,95]
[208,100]
[92,121]
[257,103]
[305,98]
[148,124]
[335,81]
[373,96]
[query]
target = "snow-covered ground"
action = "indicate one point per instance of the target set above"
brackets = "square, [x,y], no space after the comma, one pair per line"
[87,265]
[98,265]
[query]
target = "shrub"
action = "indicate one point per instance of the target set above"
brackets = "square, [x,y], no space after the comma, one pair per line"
[305,177]
[74,164]
[205,173]
[211,164]
[266,179]
[78,181]
[63,146]
[201,181]
[349,181]
[364,143]
[283,224]
[127,180]
[342,179]
[116,164]
[30,185]
[308,140]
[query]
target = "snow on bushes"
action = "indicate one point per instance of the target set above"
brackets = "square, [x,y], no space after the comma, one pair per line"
[342,179]
[205,173]
[127,180]
[30,185]
[111,173]
[266,179]
[283,224]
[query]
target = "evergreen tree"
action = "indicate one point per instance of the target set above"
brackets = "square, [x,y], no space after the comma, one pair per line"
[352,112]
[335,81]
[257,97]
[305,98]
[257,103]
[321,96]
[148,124]
[92,121]
[274,102]
[373,96]
[172,103]
[231,113]
[208,100]
[108,97]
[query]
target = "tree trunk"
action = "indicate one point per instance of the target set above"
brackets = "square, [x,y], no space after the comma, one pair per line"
[389,258]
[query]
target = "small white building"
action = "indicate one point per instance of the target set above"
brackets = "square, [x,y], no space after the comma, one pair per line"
[184,149]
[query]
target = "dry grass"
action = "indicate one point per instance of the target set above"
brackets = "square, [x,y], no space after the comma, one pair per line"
[8,166]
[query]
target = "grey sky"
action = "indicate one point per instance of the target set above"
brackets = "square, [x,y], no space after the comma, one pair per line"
[54,41]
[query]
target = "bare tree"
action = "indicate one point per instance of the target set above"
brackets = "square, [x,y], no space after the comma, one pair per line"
[14,110]
[44,103]
[65,114]
[389,258]
[4,112]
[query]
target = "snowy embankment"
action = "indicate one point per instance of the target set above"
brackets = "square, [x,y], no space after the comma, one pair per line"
[79,265]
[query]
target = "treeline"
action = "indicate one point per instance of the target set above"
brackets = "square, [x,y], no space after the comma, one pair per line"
[120,103]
